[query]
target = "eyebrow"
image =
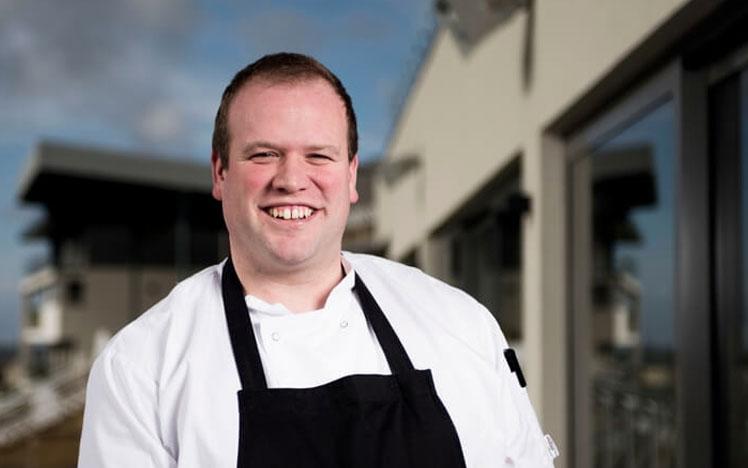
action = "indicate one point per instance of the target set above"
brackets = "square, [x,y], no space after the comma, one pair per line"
[330,148]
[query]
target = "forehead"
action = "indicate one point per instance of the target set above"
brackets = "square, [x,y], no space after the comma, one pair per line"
[262,98]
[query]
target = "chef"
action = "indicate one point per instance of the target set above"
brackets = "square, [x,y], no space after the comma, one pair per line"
[292,353]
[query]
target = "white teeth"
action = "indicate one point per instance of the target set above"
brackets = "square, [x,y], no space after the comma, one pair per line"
[297,212]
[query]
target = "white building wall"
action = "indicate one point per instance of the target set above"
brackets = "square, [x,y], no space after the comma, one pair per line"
[48,330]
[41,298]
[469,114]
[112,296]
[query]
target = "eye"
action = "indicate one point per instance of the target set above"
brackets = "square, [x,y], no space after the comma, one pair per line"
[263,156]
[319,157]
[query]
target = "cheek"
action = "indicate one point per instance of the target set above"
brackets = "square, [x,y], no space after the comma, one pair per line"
[247,183]
[333,184]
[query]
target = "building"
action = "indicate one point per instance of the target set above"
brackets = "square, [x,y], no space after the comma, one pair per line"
[579,167]
[122,230]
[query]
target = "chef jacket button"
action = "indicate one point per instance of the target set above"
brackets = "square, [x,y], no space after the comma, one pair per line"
[343,323]
[275,336]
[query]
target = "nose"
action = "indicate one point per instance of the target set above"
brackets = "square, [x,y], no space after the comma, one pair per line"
[291,175]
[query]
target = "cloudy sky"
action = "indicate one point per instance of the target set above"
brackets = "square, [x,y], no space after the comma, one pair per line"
[146,75]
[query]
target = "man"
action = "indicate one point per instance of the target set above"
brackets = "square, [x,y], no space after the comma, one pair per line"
[291,353]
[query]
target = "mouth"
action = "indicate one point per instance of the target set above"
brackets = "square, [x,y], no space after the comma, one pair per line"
[290,212]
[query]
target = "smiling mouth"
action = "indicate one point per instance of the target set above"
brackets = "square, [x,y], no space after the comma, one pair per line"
[290,212]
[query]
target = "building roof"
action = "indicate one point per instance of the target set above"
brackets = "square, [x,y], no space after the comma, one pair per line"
[82,186]
[53,164]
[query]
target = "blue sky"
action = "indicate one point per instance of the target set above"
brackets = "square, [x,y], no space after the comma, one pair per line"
[654,255]
[146,75]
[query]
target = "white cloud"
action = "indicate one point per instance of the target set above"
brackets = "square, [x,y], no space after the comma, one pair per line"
[101,64]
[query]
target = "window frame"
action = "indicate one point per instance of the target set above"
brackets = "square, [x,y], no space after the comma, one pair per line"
[692,313]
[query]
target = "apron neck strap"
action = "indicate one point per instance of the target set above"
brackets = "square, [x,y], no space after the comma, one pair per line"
[397,357]
[244,342]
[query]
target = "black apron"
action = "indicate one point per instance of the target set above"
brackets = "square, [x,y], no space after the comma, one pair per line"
[358,421]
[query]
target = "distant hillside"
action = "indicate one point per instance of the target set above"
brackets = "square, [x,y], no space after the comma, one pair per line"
[7,352]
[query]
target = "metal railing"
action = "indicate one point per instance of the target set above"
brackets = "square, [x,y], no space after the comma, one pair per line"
[634,426]
[43,404]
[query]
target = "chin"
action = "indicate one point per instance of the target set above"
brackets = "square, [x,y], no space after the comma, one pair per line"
[292,257]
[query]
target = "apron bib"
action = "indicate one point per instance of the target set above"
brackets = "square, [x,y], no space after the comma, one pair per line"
[358,421]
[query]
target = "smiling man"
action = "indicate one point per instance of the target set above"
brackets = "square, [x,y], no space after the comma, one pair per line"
[291,353]
[286,180]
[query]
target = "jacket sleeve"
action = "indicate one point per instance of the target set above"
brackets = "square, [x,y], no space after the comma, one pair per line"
[526,443]
[120,423]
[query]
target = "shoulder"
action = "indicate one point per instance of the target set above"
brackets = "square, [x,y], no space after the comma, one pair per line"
[407,293]
[399,279]
[400,276]
[149,341]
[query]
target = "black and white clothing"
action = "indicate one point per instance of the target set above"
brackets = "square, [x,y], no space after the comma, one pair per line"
[163,393]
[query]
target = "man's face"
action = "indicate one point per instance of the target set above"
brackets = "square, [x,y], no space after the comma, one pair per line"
[288,187]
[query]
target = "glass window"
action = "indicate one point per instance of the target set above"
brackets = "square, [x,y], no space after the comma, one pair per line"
[629,317]
[485,250]
[75,291]
[486,264]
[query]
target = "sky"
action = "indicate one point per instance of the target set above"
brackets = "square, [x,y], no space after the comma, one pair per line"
[147,75]
[653,256]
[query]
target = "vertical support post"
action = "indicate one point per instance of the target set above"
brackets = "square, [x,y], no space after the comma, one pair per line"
[693,269]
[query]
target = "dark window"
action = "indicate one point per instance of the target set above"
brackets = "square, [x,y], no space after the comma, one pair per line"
[729,153]
[485,249]
[75,291]
[411,258]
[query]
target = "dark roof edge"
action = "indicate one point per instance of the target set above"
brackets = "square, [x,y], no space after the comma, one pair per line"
[118,166]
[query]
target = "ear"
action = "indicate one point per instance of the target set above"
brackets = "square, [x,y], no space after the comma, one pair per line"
[217,174]
[352,173]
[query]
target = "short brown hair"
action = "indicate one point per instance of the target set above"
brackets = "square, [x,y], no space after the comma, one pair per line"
[280,67]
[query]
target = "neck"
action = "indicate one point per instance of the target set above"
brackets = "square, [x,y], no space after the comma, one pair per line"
[298,289]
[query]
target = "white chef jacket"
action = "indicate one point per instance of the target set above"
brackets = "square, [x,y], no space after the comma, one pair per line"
[163,392]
